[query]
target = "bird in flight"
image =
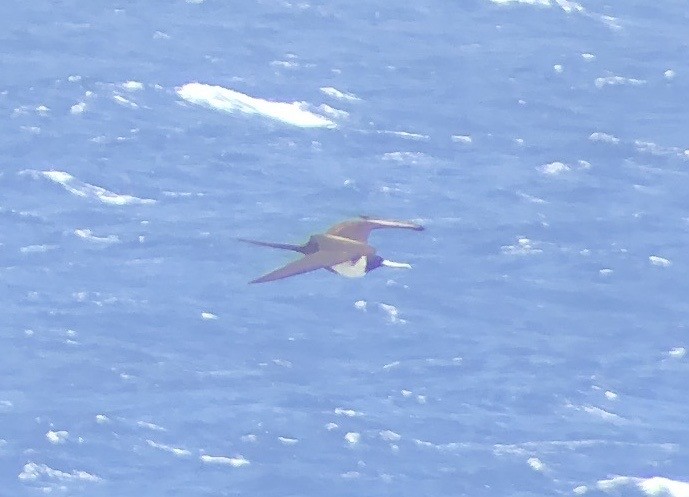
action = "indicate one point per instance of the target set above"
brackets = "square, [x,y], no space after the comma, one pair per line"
[343,249]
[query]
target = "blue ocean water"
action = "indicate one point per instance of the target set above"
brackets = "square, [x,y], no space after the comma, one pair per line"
[538,345]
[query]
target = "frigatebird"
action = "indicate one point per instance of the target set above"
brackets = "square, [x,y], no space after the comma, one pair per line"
[343,249]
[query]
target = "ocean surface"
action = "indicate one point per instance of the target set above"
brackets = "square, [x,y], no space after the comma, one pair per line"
[538,345]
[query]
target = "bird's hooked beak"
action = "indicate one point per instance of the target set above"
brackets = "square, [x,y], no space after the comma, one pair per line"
[399,265]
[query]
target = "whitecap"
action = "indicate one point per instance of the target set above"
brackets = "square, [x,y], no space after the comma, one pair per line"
[82,189]
[389,436]
[124,102]
[167,448]
[604,137]
[340,95]
[407,135]
[33,471]
[554,168]
[150,426]
[235,462]
[352,438]
[57,437]
[677,352]
[78,108]
[288,441]
[87,234]
[224,99]
[618,80]
[659,261]
[350,413]
[461,138]
[524,246]
[392,312]
[132,85]
[34,249]
[656,485]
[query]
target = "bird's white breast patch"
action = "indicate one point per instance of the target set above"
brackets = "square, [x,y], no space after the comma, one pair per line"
[351,269]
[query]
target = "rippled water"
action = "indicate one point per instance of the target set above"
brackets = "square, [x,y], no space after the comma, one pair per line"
[537,346]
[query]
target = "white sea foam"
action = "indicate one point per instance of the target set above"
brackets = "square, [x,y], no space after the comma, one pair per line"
[208,316]
[531,198]
[340,95]
[554,168]
[288,441]
[542,3]
[350,413]
[412,158]
[659,150]
[656,485]
[224,99]
[407,135]
[78,108]
[33,471]
[235,462]
[604,137]
[610,21]
[124,102]
[601,413]
[167,448]
[389,436]
[150,426]
[132,85]
[87,234]
[286,64]
[524,246]
[618,80]
[659,261]
[57,437]
[352,438]
[102,419]
[567,5]
[81,189]
[34,249]
[536,464]
[392,312]
[360,304]
[677,352]
[333,112]
[461,138]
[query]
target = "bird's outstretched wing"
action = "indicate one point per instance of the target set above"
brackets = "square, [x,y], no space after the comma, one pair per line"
[308,263]
[359,229]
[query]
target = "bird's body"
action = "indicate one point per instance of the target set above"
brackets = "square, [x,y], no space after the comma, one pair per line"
[343,249]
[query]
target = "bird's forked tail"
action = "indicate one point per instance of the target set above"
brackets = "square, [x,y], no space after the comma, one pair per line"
[285,246]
